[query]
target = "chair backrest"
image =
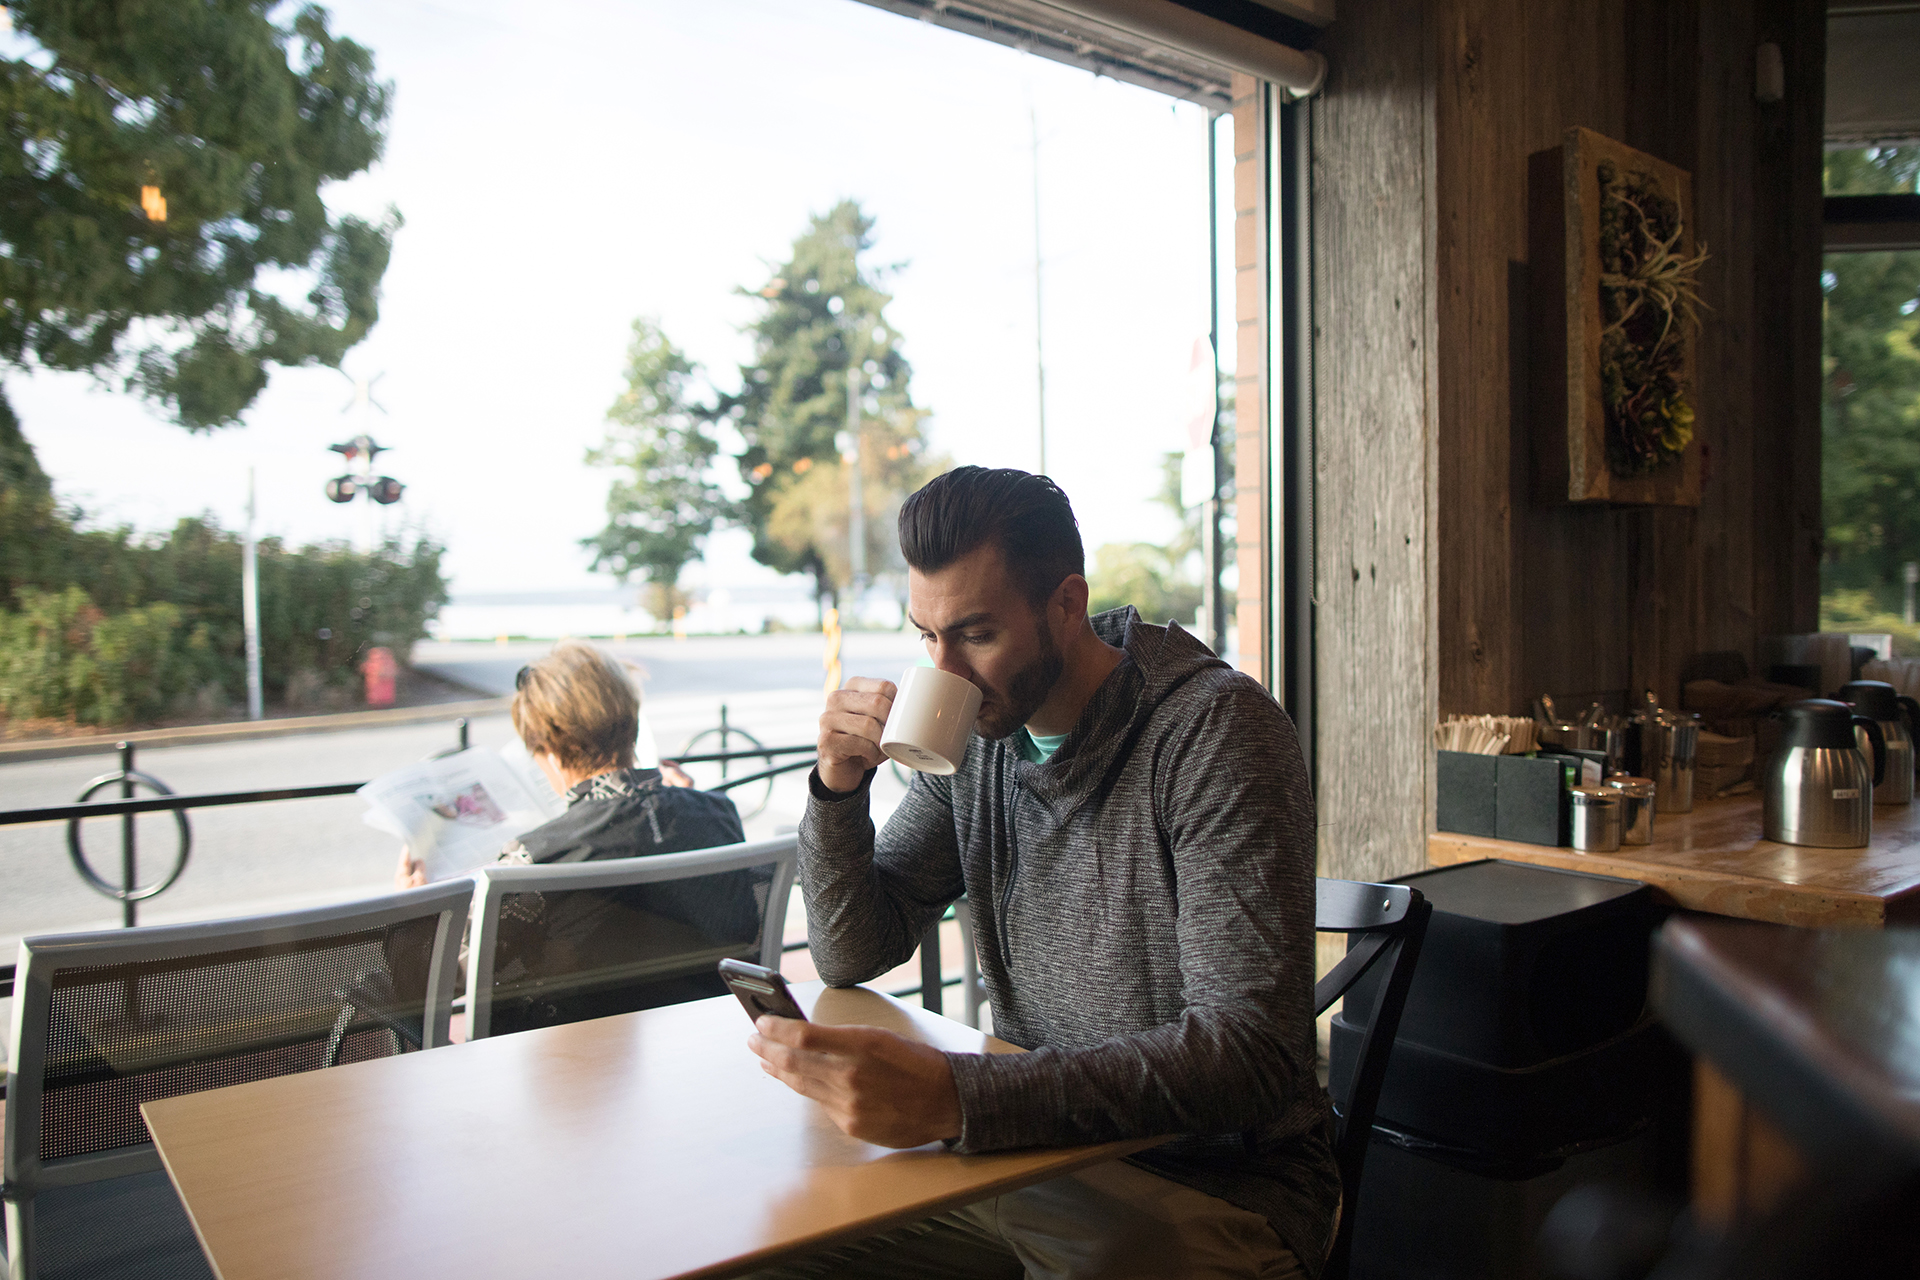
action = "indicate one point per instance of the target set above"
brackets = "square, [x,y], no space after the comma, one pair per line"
[1386,924]
[103,1022]
[554,944]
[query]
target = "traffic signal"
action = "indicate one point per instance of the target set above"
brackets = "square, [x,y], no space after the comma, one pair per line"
[386,490]
[342,489]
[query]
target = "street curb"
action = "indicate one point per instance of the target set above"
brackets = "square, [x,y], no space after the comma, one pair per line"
[95,744]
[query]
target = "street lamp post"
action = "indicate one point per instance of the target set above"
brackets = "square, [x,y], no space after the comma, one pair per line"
[856,495]
[250,610]
[849,443]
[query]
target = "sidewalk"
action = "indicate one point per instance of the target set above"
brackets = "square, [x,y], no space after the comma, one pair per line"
[103,743]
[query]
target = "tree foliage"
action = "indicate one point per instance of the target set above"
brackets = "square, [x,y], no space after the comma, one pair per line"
[238,122]
[660,438]
[821,325]
[1870,411]
[823,322]
[1162,582]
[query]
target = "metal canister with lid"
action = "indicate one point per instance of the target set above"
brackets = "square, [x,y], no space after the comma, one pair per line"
[1636,808]
[1596,819]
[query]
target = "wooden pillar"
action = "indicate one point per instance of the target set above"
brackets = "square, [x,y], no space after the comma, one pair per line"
[1252,460]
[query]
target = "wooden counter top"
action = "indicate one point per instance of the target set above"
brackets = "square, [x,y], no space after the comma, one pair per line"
[1714,860]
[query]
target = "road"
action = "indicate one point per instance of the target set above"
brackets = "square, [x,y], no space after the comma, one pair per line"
[288,854]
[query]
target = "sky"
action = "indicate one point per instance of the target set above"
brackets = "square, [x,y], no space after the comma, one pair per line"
[566,167]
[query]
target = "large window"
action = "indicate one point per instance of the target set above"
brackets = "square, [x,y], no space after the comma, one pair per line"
[1870,416]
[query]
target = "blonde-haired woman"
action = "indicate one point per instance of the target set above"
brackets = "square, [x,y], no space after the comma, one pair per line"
[578,714]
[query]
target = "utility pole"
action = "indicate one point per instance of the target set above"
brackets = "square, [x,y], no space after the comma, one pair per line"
[856,497]
[1039,328]
[250,609]
[1912,575]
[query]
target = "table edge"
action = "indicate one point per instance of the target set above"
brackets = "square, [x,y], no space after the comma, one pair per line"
[1081,1158]
[1721,1014]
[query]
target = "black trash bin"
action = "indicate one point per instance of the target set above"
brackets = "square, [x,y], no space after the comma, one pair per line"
[1527,1062]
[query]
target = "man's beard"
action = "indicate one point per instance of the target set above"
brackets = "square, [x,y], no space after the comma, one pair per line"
[1023,695]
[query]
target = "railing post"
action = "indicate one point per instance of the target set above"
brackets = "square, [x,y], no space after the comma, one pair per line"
[932,988]
[129,872]
[461,729]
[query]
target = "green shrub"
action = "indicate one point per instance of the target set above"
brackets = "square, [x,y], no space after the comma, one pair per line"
[1859,611]
[62,657]
[109,626]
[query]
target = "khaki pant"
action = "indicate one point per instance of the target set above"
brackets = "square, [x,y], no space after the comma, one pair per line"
[1110,1222]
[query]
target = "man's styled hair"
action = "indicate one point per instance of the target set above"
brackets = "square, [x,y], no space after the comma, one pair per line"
[578,703]
[1025,515]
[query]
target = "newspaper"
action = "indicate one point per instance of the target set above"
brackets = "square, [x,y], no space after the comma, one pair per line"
[458,812]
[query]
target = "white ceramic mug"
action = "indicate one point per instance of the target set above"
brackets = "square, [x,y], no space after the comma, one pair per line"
[931,721]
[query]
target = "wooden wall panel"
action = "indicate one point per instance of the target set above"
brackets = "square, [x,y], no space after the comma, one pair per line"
[1373,472]
[1478,59]
[1421,140]
[1599,600]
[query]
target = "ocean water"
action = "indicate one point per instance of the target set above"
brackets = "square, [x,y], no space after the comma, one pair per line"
[617,614]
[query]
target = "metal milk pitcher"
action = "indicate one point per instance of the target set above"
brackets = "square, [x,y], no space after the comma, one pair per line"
[1896,716]
[1670,744]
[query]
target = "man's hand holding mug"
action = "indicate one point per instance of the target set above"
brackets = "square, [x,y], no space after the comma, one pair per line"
[924,723]
[850,731]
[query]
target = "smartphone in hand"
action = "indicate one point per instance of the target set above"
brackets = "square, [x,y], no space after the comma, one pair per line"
[760,990]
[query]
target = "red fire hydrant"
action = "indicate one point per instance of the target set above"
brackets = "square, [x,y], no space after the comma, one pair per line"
[380,670]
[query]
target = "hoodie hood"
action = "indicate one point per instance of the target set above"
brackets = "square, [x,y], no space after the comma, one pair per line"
[1158,661]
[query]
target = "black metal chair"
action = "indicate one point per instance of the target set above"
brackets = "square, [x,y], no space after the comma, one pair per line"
[1390,921]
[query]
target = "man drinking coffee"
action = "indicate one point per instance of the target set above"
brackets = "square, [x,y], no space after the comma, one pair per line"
[1134,831]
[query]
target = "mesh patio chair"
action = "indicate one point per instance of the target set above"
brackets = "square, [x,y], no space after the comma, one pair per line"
[557,944]
[103,1022]
[1385,924]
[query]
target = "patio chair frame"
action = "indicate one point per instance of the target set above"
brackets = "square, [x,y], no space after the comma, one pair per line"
[43,958]
[493,883]
[1392,921]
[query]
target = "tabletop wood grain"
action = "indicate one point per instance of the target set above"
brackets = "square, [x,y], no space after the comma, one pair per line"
[645,1145]
[1714,860]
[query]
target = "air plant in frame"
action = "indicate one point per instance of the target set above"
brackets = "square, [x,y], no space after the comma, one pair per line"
[1650,304]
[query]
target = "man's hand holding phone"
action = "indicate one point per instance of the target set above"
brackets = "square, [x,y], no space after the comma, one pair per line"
[878,1087]
[850,730]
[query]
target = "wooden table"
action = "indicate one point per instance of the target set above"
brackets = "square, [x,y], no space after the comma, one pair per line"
[1817,1037]
[645,1145]
[1714,860]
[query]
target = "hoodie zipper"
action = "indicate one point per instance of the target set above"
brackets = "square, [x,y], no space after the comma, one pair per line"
[1013,872]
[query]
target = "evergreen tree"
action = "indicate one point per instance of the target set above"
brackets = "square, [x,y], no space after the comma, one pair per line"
[161,172]
[823,322]
[661,438]
[1870,411]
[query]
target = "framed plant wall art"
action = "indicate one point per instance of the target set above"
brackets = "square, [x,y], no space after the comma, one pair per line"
[1616,308]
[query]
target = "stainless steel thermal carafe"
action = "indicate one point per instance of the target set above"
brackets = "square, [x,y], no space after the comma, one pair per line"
[1819,785]
[1879,702]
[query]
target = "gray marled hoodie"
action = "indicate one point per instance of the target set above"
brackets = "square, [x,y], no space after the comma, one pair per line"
[1143,905]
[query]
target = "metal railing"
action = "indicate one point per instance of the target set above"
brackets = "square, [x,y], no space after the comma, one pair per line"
[129,892]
